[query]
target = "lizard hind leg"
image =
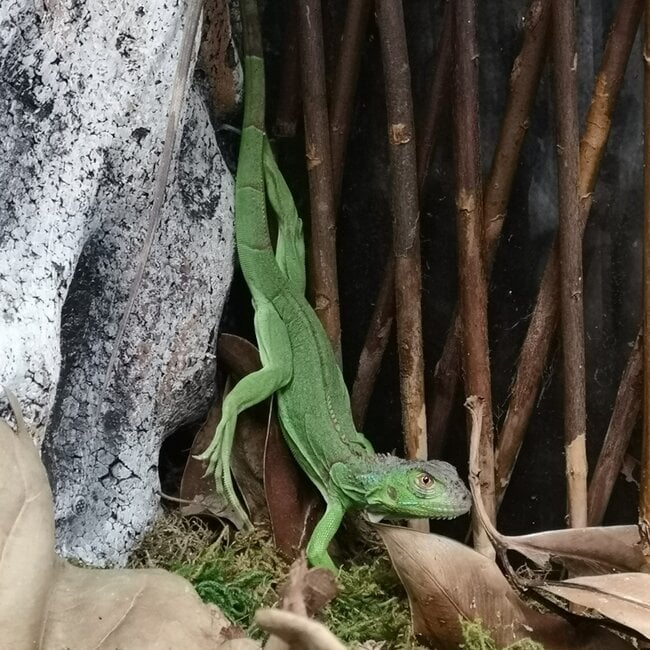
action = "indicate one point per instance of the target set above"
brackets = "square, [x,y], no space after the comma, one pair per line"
[290,247]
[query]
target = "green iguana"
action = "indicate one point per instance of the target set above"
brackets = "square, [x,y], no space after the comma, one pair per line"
[299,366]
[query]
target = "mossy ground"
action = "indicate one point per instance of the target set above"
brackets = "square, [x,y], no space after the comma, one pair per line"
[241,573]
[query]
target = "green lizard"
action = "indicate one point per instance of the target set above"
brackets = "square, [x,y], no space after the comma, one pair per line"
[298,363]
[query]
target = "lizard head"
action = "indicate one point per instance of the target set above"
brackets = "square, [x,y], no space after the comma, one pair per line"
[393,488]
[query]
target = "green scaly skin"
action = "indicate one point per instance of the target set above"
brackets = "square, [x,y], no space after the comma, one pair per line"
[298,364]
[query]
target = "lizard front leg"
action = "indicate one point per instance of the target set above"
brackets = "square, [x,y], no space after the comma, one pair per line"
[324,533]
[252,389]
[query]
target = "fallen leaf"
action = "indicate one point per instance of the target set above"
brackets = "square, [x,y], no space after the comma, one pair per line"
[623,598]
[263,468]
[47,603]
[26,537]
[307,591]
[295,505]
[297,631]
[127,608]
[582,551]
[447,581]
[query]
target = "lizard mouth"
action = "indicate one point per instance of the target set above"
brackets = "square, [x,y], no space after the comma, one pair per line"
[446,514]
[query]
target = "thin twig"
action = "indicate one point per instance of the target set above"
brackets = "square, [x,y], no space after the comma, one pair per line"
[524,80]
[381,324]
[406,230]
[322,248]
[565,85]
[644,489]
[624,416]
[345,85]
[543,323]
[469,210]
[436,106]
[383,315]
[288,110]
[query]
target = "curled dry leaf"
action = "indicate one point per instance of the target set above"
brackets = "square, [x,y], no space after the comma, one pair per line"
[623,598]
[47,603]
[26,537]
[307,591]
[447,581]
[297,631]
[295,506]
[582,551]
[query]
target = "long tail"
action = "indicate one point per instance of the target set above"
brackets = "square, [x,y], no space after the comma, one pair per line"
[254,247]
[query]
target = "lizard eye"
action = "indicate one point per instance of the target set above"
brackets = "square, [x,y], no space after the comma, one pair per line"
[425,481]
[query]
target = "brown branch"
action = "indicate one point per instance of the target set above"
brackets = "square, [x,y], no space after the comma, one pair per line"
[406,229]
[469,210]
[624,416]
[524,80]
[288,110]
[382,318]
[345,85]
[322,249]
[534,351]
[565,86]
[644,496]
[381,324]
[436,106]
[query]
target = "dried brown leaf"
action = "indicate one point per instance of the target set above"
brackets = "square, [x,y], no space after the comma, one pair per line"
[623,598]
[127,608]
[447,581]
[294,503]
[197,490]
[583,551]
[271,483]
[47,603]
[26,538]
[297,631]
[307,591]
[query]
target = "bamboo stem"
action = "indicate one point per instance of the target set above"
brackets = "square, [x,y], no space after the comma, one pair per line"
[524,80]
[288,110]
[644,496]
[406,229]
[469,211]
[624,416]
[346,80]
[543,323]
[322,248]
[381,324]
[436,106]
[565,85]
[381,321]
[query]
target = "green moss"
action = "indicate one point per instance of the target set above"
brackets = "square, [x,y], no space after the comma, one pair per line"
[476,637]
[241,573]
[371,605]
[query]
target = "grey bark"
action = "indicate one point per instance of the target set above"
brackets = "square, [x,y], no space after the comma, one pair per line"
[84,94]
